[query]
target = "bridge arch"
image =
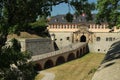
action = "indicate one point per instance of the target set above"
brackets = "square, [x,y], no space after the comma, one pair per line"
[77,54]
[48,64]
[60,60]
[59,57]
[81,52]
[71,56]
[84,50]
[38,67]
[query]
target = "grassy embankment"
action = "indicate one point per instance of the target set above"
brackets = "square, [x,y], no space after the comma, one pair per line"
[79,69]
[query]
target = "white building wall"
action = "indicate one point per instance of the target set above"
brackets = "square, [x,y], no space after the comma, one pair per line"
[103,45]
[62,39]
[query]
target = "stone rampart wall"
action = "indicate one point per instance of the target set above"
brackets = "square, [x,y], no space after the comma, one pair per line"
[36,46]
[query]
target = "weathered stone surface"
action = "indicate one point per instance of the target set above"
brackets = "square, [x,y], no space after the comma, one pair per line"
[110,67]
[36,46]
[108,71]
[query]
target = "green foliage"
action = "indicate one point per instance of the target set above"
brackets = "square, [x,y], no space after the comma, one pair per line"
[41,21]
[13,55]
[92,71]
[69,17]
[109,11]
[24,72]
[39,27]
[10,75]
[20,15]
[17,14]
[28,72]
[16,45]
[83,6]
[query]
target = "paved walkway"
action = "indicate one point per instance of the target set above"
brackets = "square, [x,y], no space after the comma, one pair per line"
[48,75]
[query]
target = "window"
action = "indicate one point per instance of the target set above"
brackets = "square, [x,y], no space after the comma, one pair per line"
[98,49]
[98,39]
[110,39]
[60,39]
[55,39]
[64,26]
[68,38]
[113,38]
[56,20]
[106,39]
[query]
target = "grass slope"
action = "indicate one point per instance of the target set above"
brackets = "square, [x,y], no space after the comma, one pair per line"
[79,69]
[24,35]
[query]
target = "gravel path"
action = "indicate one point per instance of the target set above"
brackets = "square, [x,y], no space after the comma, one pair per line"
[48,75]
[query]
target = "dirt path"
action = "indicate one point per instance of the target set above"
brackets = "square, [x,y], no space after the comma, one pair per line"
[48,75]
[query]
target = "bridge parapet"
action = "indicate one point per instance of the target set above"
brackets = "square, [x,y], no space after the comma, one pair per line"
[61,51]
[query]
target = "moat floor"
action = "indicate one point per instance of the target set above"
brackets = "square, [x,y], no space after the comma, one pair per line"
[79,69]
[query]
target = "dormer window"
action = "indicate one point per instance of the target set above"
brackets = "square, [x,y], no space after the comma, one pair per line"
[63,18]
[56,20]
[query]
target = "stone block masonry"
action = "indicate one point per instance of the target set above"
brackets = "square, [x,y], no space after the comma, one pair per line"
[36,46]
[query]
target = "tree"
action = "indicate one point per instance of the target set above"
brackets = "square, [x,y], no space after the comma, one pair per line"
[16,16]
[39,27]
[69,17]
[109,11]
[83,7]
[11,55]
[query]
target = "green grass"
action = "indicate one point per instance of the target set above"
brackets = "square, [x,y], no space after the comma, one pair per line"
[79,69]
[23,35]
[39,77]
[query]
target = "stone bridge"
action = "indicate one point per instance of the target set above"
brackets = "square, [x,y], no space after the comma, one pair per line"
[63,55]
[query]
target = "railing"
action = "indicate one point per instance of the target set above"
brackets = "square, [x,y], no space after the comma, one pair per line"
[61,51]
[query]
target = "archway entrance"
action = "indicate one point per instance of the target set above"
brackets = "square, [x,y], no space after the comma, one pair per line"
[60,60]
[83,38]
[71,56]
[48,64]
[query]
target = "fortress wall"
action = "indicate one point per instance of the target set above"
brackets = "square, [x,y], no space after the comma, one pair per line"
[109,69]
[62,39]
[36,46]
[102,45]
